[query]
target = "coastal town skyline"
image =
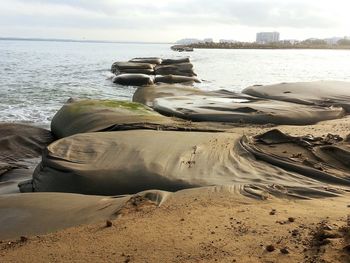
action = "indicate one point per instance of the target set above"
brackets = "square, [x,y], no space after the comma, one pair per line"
[159,21]
[188,41]
[262,38]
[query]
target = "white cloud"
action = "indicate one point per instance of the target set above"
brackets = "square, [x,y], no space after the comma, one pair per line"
[168,20]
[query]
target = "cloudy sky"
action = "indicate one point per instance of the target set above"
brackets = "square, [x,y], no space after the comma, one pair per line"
[170,20]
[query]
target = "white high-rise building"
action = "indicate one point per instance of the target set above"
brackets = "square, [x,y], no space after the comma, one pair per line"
[267,37]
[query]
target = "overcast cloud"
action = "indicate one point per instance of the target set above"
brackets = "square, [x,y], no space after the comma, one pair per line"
[170,20]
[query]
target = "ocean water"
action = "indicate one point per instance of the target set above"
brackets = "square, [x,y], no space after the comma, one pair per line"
[36,78]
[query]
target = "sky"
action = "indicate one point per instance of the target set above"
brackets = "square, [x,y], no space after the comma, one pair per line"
[171,20]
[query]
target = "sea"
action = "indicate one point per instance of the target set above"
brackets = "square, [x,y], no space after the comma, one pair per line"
[37,77]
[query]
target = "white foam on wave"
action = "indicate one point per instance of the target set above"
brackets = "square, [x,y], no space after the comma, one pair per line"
[108,75]
[29,114]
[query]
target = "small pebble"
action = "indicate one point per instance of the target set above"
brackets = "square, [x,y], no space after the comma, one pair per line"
[295,232]
[284,250]
[270,248]
[109,223]
[291,219]
[24,239]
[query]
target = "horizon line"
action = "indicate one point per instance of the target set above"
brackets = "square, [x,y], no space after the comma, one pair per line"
[79,40]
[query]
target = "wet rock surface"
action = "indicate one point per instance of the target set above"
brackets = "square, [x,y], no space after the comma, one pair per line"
[20,148]
[40,213]
[321,93]
[163,140]
[82,116]
[136,79]
[315,157]
[132,73]
[225,106]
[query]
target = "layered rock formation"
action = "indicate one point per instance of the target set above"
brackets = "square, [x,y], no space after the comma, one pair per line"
[146,71]
[20,149]
[171,137]
[111,163]
[225,106]
[320,93]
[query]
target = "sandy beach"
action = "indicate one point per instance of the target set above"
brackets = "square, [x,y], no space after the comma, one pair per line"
[206,225]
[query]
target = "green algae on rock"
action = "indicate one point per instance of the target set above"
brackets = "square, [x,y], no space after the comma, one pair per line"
[86,105]
[98,115]
[83,116]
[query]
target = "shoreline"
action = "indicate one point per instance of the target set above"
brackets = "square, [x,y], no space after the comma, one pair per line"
[266,46]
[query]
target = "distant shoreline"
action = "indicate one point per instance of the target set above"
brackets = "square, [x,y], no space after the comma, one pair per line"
[77,41]
[266,47]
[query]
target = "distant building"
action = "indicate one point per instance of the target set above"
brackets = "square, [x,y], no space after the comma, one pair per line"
[332,40]
[223,41]
[289,41]
[267,37]
[208,40]
[188,41]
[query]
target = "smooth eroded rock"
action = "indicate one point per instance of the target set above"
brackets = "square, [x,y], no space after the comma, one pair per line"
[123,162]
[321,93]
[133,80]
[175,61]
[225,106]
[182,69]
[324,159]
[120,66]
[136,71]
[150,60]
[18,141]
[147,95]
[172,79]
[42,213]
[100,115]
[20,147]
